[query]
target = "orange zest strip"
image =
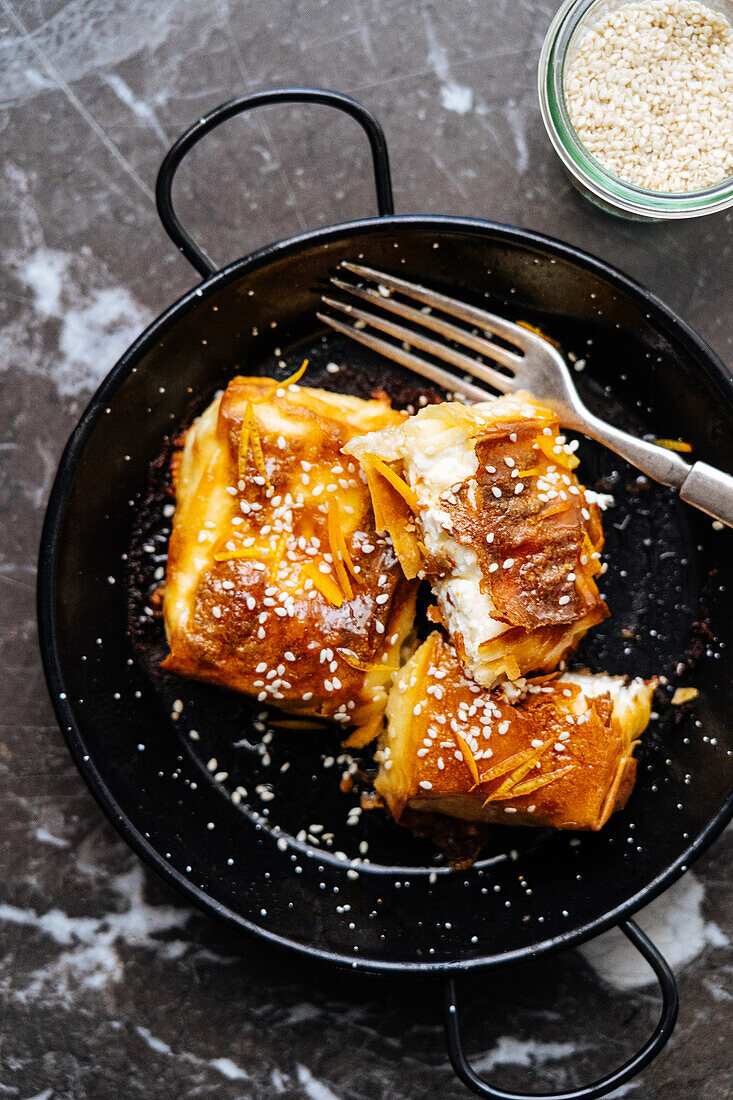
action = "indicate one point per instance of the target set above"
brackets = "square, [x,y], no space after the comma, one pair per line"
[350,658]
[538,332]
[295,377]
[257,448]
[541,781]
[341,539]
[347,558]
[334,531]
[556,510]
[467,757]
[289,381]
[508,785]
[279,551]
[673,445]
[397,483]
[249,553]
[529,473]
[380,519]
[587,550]
[516,761]
[325,584]
[546,444]
[587,546]
[243,448]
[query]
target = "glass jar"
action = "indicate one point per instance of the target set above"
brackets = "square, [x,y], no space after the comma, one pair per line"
[600,186]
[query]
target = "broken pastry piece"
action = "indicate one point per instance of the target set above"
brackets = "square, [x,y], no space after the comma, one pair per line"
[555,751]
[278,584]
[483,501]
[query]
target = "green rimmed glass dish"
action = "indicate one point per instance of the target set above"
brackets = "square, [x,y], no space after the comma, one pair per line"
[600,186]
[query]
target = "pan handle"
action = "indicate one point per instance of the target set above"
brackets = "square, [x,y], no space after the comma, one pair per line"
[650,1049]
[164,182]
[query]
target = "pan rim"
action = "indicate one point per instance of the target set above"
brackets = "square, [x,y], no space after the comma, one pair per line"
[706,360]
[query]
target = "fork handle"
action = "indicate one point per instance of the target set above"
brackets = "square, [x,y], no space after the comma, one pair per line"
[710,490]
[698,484]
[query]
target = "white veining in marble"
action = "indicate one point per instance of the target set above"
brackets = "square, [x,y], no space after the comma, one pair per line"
[508,1051]
[312,1087]
[72,296]
[45,837]
[674,922]
[453,96]
[138,106]
[225,1066]
[80,38]
[456,97]
[90,958]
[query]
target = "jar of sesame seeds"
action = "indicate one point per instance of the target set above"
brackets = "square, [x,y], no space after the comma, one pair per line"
[637,99]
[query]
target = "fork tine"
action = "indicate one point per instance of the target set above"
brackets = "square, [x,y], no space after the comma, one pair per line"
[445,379]
[502,382]
[474,316]
[451,332]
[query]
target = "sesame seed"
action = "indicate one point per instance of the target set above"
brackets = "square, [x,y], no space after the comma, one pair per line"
[648,92]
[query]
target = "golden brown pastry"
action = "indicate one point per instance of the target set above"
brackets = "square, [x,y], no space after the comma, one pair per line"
[555,751]
[278,584]
[482,500]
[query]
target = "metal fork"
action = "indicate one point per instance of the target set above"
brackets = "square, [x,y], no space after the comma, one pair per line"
[533,364]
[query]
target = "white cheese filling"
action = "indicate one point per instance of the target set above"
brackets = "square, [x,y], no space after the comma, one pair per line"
[624,694]
[432,471]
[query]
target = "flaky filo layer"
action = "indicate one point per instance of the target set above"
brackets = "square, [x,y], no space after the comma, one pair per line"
[483,501]
[278,584]
[555,751]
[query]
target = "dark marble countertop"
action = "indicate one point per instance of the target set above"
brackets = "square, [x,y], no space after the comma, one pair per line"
[109,986]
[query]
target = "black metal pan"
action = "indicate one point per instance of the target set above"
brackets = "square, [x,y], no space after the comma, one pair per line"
[169,760]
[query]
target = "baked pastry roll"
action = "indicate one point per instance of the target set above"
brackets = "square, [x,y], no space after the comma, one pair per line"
[558,752]
[278,584]
[482,500]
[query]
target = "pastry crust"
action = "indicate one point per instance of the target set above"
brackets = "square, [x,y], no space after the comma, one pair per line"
[557,751]
[482,500]
[278,584]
